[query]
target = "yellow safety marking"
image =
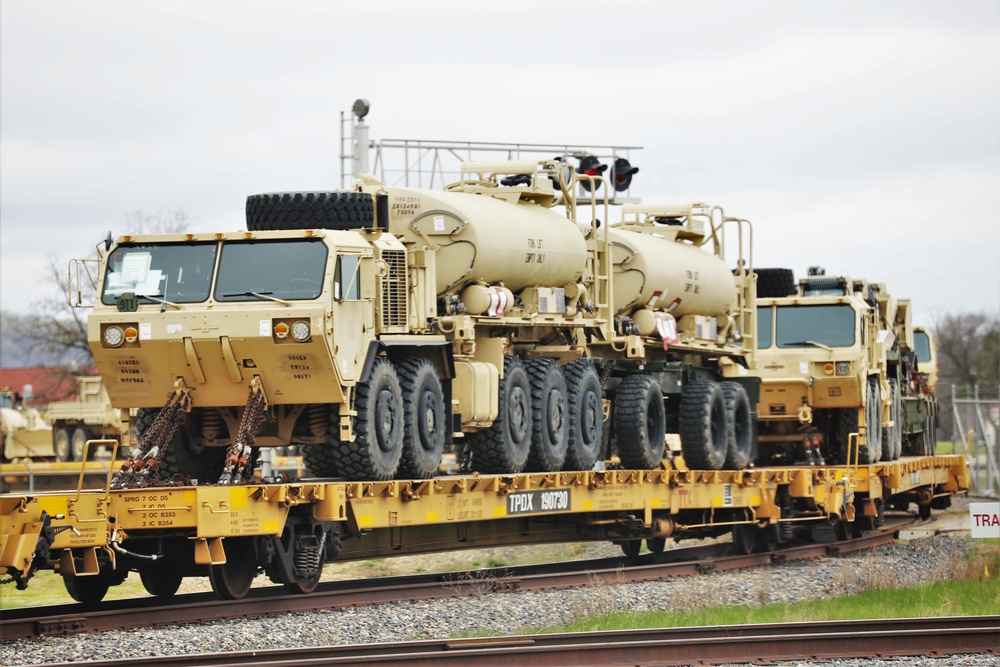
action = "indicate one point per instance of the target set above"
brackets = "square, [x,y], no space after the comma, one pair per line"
[366,520]
[190,496]
[500,510]
[655,502]
[53,504]
[716,501]
[432,517]
[238,498]
[754,501]
[587,505]
[271,526]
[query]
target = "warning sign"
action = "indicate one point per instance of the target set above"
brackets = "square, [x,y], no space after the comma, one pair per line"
[985,519]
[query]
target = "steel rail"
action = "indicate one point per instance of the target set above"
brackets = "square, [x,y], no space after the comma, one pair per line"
[663,646]
[26,623]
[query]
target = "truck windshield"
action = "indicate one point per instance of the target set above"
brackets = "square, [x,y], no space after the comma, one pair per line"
[291,269]
[174,272]
[814,326]
[923,344]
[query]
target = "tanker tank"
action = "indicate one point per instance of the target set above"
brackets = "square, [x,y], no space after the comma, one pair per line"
[484,239]
[655,267]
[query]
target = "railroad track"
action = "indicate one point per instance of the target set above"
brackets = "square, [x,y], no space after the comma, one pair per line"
[30,622]
[664,646]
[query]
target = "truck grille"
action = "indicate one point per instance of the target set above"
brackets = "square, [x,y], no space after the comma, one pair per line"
[394,289]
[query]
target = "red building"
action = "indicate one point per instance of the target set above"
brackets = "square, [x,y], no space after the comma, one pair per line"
[41,385]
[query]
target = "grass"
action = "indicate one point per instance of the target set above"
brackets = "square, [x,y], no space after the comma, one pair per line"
[47,588]
[971,588]
[965,598]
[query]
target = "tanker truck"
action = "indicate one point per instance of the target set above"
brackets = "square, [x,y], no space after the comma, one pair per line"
[376,326]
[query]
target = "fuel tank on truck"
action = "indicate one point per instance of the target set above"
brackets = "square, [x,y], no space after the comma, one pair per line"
[656,267]
[478,237]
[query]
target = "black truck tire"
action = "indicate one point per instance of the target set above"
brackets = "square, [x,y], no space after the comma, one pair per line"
[309,210]
[774,283]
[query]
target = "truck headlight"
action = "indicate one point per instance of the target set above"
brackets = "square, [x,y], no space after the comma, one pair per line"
[300,331]
[843,367]
[113,336]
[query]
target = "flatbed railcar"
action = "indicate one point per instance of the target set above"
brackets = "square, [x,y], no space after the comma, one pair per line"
[94,538]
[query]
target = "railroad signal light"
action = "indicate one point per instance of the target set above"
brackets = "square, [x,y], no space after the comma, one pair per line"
[623,172]
[591,166]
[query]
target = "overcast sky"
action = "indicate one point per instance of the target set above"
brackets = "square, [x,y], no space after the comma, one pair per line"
[861,136]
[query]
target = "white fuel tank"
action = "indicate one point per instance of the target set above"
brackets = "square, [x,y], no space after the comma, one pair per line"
[481,238]
[653,269]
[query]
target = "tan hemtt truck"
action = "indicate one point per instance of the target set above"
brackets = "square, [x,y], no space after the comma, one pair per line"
[822,348]
[89,417]
[373,327]
[23,432]
[914,365]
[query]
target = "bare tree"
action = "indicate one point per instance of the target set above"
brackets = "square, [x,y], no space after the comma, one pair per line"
[968,357]
[162,222]
[56,331]
[968,348]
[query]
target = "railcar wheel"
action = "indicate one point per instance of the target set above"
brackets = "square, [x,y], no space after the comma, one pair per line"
[232,579]
[586,415]
[424,423]
[631,548]
[892,440]
[703,429]
[91,589]
[302,587]
[549,416]
[843,528]
[656,545]
[80,438]
[161,580]
[63,445]
[739,426]
[378,428]
[924,511]
[504,446]
[640,422]
[744,539]
[768,537]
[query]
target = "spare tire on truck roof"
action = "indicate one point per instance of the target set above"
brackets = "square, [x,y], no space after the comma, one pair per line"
[774,283]
[281,211]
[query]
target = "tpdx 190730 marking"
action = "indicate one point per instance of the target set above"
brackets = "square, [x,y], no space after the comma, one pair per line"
[530,502]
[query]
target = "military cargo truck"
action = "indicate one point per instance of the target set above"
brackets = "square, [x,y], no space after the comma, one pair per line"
[822,361]
[23,432]
[89,417]
[374,327]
